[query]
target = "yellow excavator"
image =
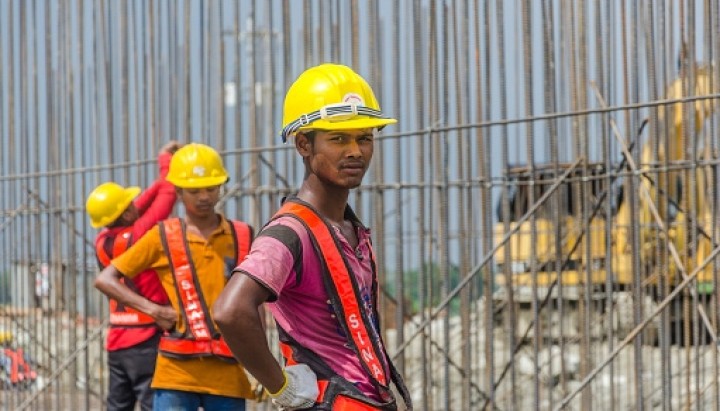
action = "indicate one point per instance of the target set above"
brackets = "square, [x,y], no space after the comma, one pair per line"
[673,201]
[553,249]
[563,249]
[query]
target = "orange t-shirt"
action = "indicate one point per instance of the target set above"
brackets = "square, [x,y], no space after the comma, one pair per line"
[214,261]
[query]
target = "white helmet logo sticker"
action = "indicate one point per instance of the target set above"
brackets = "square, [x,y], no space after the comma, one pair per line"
[353,98]
[199,170]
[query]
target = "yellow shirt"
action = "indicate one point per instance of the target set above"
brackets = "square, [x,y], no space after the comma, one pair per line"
[212,260]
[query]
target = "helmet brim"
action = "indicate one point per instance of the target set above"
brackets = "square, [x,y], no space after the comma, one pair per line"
[131,193]
[200,182]
[352,124]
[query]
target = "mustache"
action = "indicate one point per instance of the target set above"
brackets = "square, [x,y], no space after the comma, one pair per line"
[352,164]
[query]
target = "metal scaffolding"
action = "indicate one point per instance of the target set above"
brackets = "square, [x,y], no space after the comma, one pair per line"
[545,212]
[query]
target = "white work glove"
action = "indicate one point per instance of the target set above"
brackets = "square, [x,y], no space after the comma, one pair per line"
[299,391]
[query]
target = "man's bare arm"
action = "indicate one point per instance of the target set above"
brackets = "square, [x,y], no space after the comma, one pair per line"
[108,282]
[237,313]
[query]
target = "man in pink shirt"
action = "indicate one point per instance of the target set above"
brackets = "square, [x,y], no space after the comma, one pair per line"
[313,263]
[132,339]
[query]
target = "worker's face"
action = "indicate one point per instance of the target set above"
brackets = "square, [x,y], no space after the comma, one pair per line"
[340,157]
[200,202]
[130,215]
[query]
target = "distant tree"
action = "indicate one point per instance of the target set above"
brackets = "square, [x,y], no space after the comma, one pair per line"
[430,282]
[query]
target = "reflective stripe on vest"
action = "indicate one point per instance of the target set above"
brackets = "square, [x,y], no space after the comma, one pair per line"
[344,297]
[120,314]
[200,338]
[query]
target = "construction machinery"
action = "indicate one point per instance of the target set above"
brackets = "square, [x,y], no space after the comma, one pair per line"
[590,230]
[540,251]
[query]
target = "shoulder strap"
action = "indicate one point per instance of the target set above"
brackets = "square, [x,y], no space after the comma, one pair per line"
[194,310]
[242,235]
[121,242]
[342,283]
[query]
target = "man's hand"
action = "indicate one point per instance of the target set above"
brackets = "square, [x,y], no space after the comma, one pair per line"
[170,147]
[165,317]
[299,391]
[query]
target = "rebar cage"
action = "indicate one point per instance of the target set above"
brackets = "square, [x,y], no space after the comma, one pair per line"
[544,213]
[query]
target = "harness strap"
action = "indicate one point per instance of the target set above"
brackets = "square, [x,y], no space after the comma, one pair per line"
[183,348]
[121,242]
[120,314]
[200,339]
[193,305]
[336,392]
[345,296]
[242,234]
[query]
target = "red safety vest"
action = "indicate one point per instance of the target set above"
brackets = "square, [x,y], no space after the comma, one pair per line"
[336,393]
[120,314]
[200,339]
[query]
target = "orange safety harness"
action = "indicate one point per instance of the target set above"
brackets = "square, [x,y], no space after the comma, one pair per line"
[200,339]
[120,314]
[336,393]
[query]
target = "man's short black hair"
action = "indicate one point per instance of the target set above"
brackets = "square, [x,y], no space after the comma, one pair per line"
[309,134]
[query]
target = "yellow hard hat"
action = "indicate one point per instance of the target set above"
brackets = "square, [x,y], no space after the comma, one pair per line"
[331,97]
[196,166]
[107,202]
[6,337]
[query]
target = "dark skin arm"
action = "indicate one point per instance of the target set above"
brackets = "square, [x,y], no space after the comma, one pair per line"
[237,314]
[108,282]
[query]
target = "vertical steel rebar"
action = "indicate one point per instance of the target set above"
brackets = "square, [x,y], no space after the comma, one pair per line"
[399,204]
[459,30]
[485,153]
[88,89]
[421,121]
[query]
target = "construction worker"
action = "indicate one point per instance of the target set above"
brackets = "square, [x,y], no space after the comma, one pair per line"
[193,258]
[314,263]
[133,337]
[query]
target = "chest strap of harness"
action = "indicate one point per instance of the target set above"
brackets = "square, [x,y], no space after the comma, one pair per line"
[200,338]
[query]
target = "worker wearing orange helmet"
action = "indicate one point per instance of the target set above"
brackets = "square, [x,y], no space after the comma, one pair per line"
[125,215]
[193,257]
[313,262]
